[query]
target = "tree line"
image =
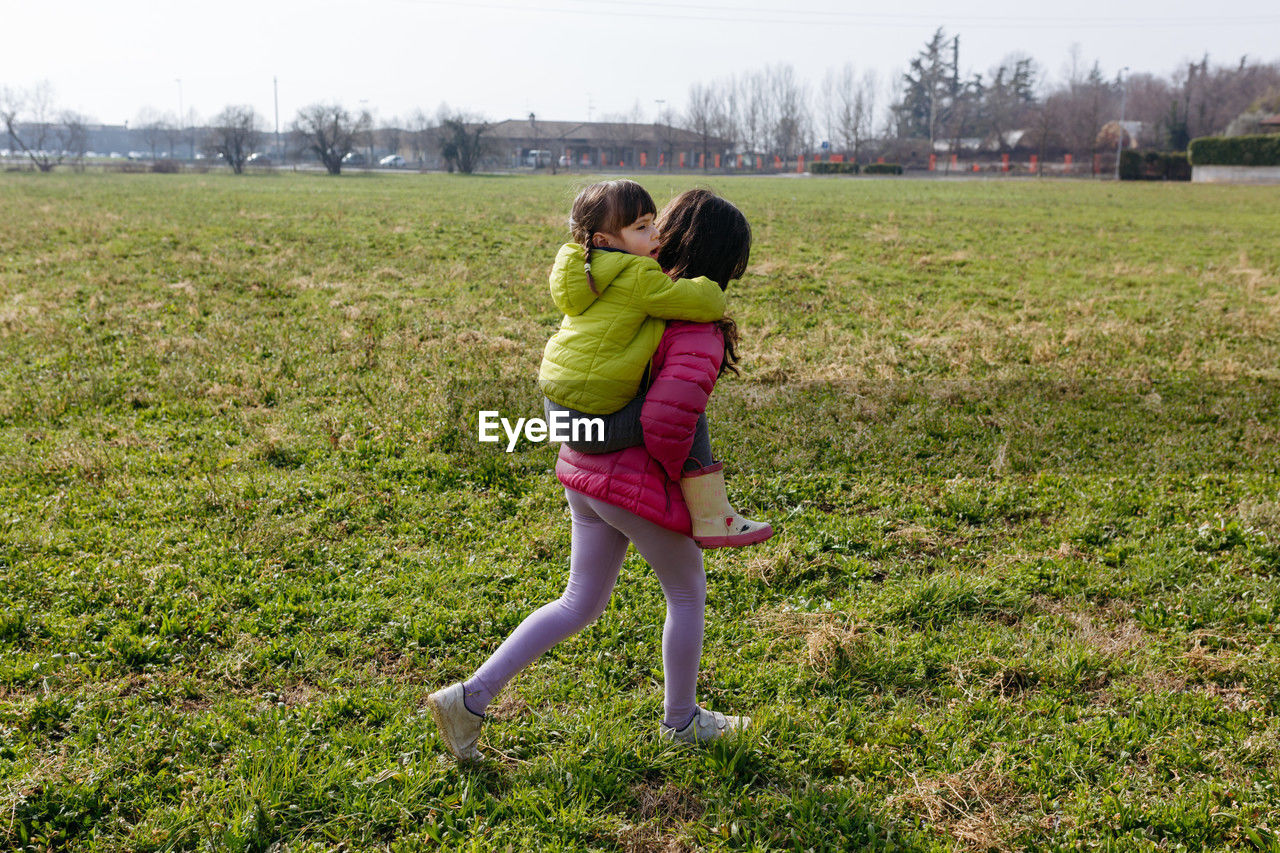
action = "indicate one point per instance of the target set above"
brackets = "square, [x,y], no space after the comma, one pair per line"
[329,132]
[935,105]
[932,106]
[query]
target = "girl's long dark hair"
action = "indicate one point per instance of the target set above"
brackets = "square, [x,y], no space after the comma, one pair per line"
[704,235]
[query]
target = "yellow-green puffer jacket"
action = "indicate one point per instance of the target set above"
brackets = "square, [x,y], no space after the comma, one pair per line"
[595,362]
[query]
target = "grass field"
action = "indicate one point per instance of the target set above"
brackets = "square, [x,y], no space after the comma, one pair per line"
[1019,440]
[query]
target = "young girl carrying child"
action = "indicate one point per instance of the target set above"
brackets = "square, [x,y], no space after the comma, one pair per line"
[616,300]
[633,496]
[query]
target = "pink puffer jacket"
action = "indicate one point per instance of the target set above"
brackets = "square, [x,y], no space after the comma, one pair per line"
[645,480]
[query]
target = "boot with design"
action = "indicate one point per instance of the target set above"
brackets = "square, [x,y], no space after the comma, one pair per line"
[716,524]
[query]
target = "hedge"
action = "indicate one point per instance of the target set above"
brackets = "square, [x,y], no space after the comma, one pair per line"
[1235,151]
[833,168]
[1154,166]
[882,169]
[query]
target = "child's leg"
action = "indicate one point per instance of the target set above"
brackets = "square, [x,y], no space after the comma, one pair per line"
[677,561]
[594,561]
[700,453]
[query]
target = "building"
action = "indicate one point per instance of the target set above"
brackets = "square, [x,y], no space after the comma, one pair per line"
[533,142]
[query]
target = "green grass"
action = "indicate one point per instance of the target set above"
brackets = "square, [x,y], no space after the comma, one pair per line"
[1019,440]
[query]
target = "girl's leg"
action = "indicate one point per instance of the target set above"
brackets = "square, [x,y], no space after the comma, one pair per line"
[594,561]
[677,561]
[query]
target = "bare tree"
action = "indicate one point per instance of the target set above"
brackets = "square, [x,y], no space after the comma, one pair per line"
[421,134]
[789,97]
[1085,104]
[1214,95]
[665,129]
[1046,125]
[728,115]
[391,137]
[848,106]
[753,111]
[153,126]
[330,132]
[172,130]
[182,129]
[233,135]
[73,137]
[462,142]
[1152,103]
[701,117]
[29,121]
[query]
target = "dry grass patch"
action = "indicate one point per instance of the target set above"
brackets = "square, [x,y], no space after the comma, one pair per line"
[977,806]
[778,562]
[509,705]
[1262,513]
[17,789]
[1113,632]
[1218,658]
[828,637]
[78,459]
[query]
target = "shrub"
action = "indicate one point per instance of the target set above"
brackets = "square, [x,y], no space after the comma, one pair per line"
[1235,151]
[833,168]
[1154,166]
[166,167]
[882,169]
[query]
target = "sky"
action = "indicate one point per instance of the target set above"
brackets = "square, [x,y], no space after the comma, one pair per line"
[565,60]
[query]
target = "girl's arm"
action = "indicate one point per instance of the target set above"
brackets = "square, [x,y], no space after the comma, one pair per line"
[698,300]
[686,367]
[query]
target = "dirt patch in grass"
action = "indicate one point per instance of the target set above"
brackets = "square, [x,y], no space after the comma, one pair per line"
[647,838]
[656,808]
[665,803]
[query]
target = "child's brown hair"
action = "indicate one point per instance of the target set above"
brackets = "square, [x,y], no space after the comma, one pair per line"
[606,208]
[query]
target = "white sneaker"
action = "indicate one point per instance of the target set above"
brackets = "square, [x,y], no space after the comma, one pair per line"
[705,727]
[459,725]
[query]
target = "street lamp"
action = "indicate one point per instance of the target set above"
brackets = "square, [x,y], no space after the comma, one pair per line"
[1124,92]
[364,111]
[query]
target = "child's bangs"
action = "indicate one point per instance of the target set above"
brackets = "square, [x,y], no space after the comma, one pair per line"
[628,203]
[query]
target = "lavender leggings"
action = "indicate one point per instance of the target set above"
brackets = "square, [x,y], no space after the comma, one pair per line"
[600,536]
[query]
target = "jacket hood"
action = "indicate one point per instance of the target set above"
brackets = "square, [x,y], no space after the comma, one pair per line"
[569,287]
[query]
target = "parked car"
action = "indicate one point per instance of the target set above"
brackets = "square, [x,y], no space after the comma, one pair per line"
[538,158]
[395,161]
[353,158]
